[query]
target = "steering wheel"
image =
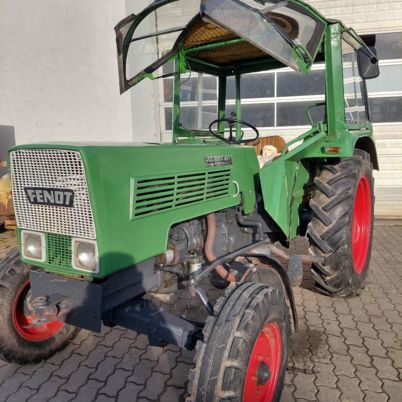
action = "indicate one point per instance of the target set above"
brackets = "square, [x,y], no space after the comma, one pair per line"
[232,121]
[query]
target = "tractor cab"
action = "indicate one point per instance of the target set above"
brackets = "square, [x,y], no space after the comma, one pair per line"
[226,39]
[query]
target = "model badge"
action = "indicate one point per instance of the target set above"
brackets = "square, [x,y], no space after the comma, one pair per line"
[211,161]
[50,196]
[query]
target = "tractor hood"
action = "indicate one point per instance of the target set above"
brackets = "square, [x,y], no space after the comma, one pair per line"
[124,198]
[287,31]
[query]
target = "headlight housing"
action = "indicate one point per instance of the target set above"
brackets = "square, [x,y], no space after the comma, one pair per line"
[33,245]
[85,255]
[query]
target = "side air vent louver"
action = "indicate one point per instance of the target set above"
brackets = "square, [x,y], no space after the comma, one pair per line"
[159,194]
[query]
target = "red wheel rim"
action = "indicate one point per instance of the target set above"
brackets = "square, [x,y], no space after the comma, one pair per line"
[264,366]
[361,226]
[23,322]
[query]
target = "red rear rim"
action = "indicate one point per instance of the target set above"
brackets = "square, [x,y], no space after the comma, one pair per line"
[22,322]
[264,365]
[361,226]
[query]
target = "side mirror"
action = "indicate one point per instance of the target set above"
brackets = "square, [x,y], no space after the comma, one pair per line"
[368,65]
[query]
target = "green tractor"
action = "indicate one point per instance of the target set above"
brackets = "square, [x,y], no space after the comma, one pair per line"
[102,228]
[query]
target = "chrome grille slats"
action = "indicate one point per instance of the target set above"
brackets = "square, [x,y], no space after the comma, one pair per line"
[57,169]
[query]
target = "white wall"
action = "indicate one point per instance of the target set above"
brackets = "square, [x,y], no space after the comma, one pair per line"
[58,71]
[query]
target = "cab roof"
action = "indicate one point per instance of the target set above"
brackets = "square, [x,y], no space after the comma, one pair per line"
[228,33]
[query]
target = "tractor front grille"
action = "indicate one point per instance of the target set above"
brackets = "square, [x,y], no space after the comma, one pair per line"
[58,249]
[153,195]
[52,169]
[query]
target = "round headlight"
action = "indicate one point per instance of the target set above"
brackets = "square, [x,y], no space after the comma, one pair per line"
[86,256]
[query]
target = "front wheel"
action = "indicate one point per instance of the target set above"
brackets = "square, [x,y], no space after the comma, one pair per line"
[20,341]
[342,225]
[243,356]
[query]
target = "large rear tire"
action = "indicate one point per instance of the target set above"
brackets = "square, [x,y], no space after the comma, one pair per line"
[342,225]
[20,342]
[243,356]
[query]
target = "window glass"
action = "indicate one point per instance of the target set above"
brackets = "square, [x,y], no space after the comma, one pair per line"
[197,118]
[168,118]
[390,80]
[190,88]
[389,45]
[354,88]
[259,115]
[386,110]
[296,84]
[295,114]
[252,86]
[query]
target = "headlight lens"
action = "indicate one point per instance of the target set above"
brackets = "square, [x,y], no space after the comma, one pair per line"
[33,245]
[85,255]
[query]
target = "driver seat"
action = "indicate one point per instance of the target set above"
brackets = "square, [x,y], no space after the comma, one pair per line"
[278,142]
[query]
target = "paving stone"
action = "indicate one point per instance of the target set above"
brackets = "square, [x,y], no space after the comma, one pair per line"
[131,359]
[374,347]
[171,394]
[121,347]
[371,396]
[385,369]
[154,386]
[287,394]
[62,396]
[305,387]
[105,369]
[167,362]
[368,379]
[77,379]
[47,390]
[115,383]
[359,356]
[22,394]
[69,366]
[142,372]
[350,389]
[396,357]
[130,392]
[343,365]
[41,376]
[352,337]
[326,394]
[393,389]
[153,353]
[325,375]
[179,373]
[88,391]
[96,356]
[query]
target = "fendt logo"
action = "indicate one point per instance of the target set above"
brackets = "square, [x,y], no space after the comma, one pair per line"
[50,196]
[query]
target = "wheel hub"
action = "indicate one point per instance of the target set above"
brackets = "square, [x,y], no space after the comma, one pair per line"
[24,323]
[264,366]
[263,373]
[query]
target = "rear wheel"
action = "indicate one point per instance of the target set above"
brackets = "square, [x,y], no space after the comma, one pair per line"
[342,225]
[20,341]
[243,356]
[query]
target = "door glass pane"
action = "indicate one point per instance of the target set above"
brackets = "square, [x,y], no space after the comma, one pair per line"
[354,88]
[294,114]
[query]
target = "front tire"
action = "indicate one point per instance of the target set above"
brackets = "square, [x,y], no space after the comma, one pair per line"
[342,225]
[244,354]
[20,342]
